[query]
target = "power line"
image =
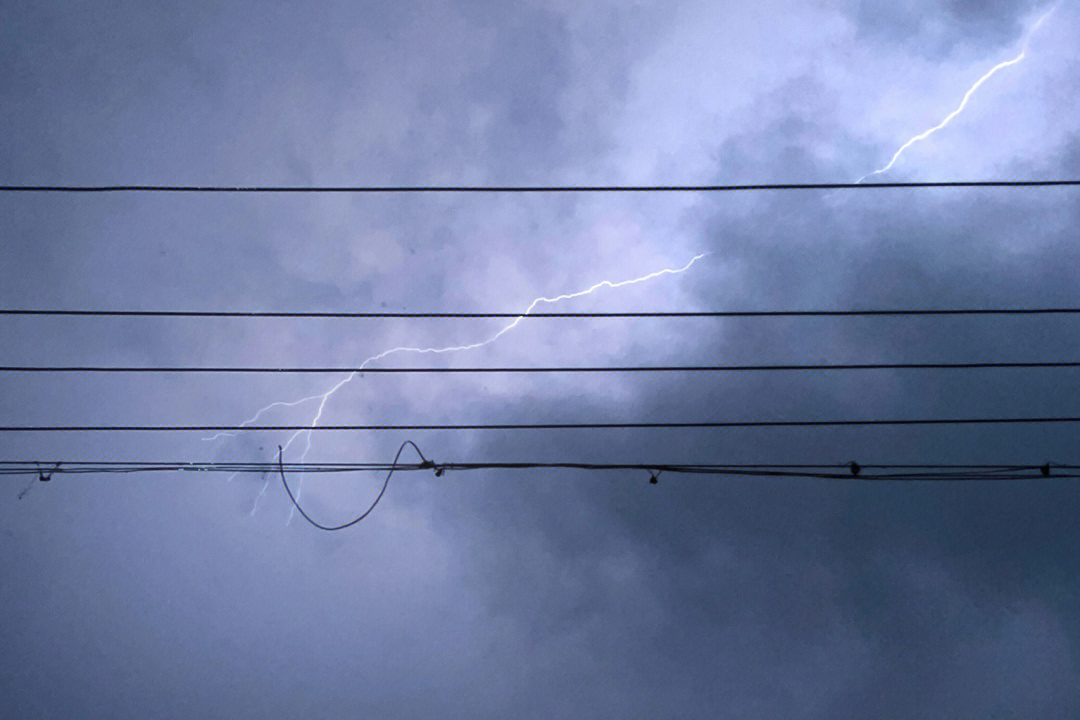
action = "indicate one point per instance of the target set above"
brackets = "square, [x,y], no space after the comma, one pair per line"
[463,315]
[545,426]
[526,188]
[22,467]
[823,470]
[81,467]
[542,369]
[850,471]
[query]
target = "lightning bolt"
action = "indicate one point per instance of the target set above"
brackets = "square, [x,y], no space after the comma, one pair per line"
[324,398]
[967,96]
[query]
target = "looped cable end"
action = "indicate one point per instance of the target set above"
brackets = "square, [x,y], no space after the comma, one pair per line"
[47,476]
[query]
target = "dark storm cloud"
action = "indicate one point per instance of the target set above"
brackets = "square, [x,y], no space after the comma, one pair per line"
[524,95]
[934,29]
[547,593]
[951,599]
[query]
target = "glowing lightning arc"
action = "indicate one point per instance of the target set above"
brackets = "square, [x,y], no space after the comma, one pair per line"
[323,398]
[967,96]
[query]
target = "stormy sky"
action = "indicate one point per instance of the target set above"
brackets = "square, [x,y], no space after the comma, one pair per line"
[541,593]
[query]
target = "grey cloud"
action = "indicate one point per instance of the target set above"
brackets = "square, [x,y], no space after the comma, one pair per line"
[934,29]
[494,594]
[870,564]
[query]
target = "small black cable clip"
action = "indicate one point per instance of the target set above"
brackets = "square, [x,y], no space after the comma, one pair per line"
[855,468]
[654,476]
[46,476]
[1045,470]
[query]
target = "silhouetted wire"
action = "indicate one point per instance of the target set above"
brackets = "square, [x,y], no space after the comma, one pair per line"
[840,471]
[527,188]
[21,467]
[545,426]
[361,516]
[26,489]
[543,369]
[628,314]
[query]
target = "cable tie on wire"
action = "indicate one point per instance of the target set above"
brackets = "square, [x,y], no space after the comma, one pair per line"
[1045,470]
[855,468]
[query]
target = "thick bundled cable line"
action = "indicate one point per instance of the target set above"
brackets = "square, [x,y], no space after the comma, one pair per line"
[540,369]
[360,189]
[822,470]
[123,467]
[882,312]
[549,426]
[850,471]
[22,467]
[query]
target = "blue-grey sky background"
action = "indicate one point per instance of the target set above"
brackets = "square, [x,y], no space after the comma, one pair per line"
[540,594]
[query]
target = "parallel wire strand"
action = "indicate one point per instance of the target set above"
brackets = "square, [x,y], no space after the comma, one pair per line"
[540,369]
[547,426]
[58,188]
[915,312]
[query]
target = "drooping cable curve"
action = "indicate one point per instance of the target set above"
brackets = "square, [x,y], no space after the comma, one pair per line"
[547,426]
[670,188]
[382,491]
[542,369]
[884,312]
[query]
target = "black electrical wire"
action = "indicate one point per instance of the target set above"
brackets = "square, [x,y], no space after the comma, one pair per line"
[843,471]
[23,467]
[361,516]
[544,369]
[547,426]
[527,188]
[913,312]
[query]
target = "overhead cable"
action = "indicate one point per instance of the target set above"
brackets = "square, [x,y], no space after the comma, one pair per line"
[375,189]
[924,471]
[540,369]
[900,312]
[547,426]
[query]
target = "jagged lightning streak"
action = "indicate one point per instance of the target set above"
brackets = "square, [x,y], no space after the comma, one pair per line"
[324,398]
[967,96]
